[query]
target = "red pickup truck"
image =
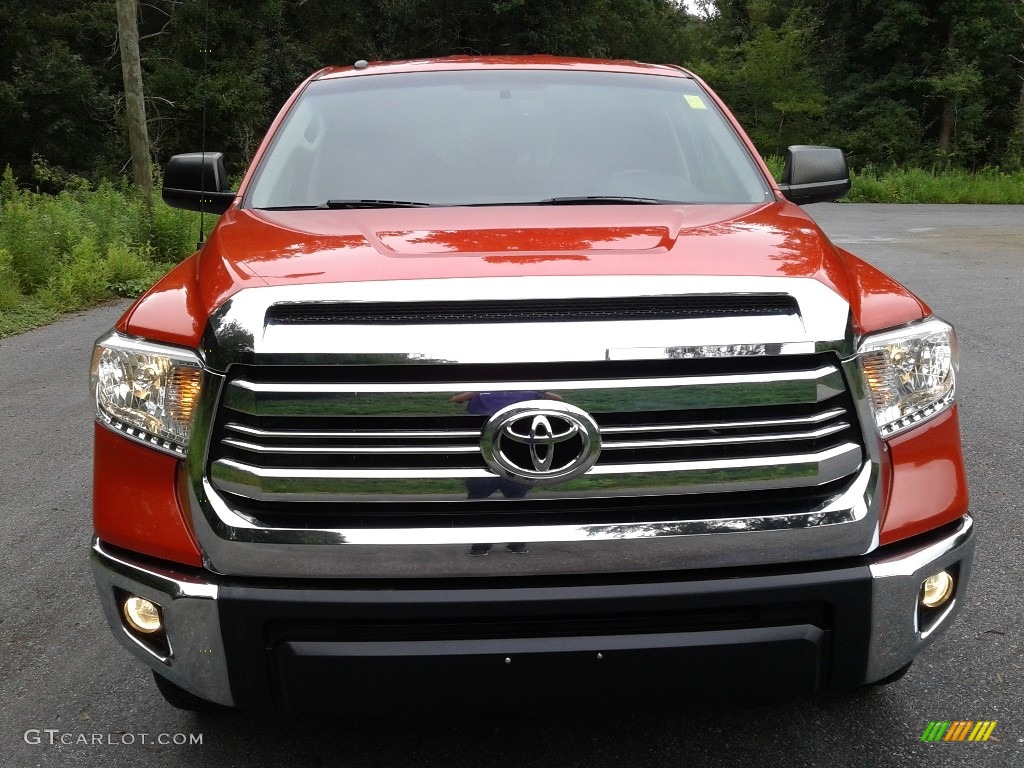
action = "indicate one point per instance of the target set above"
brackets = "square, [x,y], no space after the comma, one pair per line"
[522,373]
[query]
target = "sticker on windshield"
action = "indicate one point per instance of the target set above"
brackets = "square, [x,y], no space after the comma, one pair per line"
[695,102]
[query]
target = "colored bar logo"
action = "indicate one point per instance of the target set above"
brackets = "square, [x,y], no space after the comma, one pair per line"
[958,730]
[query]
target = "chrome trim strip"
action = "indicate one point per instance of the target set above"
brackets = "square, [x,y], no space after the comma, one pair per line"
[939,623]
[841,508]
[174,584]
[238,331]
[343,434]
[350,434]
[114,339]
[414,449]
[735,440]
[432,399]
[916,562]
[745,474]
[330,449]
[587,549]
[750,424]
[823,373]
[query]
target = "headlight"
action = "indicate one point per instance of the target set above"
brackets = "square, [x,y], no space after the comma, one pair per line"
[910,373]
[146,391]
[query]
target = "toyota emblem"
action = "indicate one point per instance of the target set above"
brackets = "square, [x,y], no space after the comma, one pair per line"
[540,442]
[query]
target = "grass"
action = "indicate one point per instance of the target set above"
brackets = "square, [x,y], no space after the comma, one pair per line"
[917,185]
[82,247]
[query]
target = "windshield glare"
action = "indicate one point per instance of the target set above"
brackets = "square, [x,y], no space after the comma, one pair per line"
[505,137]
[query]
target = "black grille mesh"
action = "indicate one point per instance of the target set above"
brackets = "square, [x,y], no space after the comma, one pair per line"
[532,311]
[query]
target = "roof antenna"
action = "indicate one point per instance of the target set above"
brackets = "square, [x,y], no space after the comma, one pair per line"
[202,144]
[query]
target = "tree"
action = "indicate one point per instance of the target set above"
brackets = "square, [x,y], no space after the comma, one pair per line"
[921,81]
[1014,156]
[135,103]
[761,56]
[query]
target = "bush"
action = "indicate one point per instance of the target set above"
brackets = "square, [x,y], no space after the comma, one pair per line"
[82,246]
[10,291]
[916,185]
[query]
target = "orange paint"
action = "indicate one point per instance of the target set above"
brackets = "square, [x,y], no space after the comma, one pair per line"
[928,487]
[134,501]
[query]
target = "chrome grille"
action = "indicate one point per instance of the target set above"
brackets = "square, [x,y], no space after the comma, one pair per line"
[356,444]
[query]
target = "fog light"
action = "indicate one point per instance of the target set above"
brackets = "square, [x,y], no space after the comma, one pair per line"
[936,589]
[142,615]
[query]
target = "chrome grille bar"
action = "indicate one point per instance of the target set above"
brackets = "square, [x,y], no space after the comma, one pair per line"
[594,396]
[338,484]
[734,440]
[348,433]
[412,448]
[815,418]
[349,449]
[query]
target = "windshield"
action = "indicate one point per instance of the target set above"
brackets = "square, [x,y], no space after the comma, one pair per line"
[504,137]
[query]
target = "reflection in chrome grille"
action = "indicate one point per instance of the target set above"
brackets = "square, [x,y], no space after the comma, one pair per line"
[340,443]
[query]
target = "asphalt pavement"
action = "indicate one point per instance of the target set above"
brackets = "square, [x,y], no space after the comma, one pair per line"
[71,696]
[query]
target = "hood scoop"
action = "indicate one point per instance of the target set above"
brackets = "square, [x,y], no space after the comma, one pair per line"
[526,240]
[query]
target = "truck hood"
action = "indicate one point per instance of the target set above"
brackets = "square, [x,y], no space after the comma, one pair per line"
[251,248]
[280,247]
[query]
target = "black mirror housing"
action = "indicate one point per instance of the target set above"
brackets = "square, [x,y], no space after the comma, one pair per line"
[814,174]
[197,181]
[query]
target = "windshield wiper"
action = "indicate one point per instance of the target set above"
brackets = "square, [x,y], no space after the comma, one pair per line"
[287,207]
[600,200]
[341,204]
[373,204]
[576,200]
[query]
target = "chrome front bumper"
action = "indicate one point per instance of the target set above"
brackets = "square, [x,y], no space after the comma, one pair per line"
[199,661]
[196,661]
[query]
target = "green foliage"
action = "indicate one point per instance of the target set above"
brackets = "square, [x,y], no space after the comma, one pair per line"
[1013,158]
[10,292]
[775,164]
[81,247]
[768,78]
[913,82]
[915,185]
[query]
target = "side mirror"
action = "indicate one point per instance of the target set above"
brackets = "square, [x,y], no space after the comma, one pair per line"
[197,181]
[814,175]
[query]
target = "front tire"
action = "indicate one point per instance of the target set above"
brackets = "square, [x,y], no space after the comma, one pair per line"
[179,698]
[892,678]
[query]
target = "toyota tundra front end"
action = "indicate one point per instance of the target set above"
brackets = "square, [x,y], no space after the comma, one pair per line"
[522,378]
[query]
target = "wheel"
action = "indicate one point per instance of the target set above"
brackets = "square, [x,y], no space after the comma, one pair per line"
[892,678]
[179,698]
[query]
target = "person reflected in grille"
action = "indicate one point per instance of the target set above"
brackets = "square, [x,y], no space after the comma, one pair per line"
[487,404]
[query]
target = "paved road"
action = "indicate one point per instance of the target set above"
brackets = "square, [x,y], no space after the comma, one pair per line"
[61,669]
